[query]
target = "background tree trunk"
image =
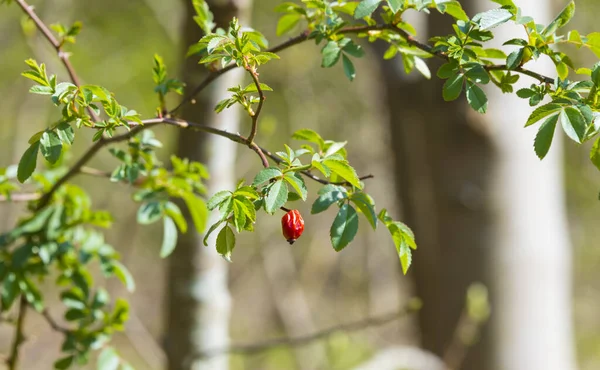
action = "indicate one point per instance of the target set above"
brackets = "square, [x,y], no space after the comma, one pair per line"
[443,164]
[483,208]
[532,277]
[198,296]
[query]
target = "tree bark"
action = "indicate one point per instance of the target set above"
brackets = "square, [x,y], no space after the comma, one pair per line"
[199,303]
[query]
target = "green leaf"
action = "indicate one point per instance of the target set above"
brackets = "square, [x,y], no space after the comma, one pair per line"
[366,8]
[28,162]
[64,363]
[10,291]
[367,206]
[266,175]
[349,70]
[51,146]
[218,198]
[344,227]
[395,5]
[149,212]
[310,136]
[277,196]
[331,54]
[562,70]
[123,274]
[210,231]
[74,314]
[297,183]
[452,87]
[197,209]
[476,98]
[573,124]
[65,133]
[422,67]
[226,242]
[541,112]
[543,139]
[108,359]
[455,10]
[561,19]
[287,23]
[172,210]
[514,59]
[344,170]
[239,215]
[492,18]
[402,247]
[328,198]
[169,237]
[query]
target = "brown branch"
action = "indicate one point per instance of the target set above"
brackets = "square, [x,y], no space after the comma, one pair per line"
[19,336]
[62,55]
[250,349]
[53,324]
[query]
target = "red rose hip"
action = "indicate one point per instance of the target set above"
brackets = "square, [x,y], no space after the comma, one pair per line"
[292,225]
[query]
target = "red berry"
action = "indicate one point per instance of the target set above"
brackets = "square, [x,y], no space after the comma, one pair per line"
[292,225]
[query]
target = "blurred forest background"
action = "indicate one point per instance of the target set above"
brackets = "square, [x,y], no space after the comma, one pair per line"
[276,290]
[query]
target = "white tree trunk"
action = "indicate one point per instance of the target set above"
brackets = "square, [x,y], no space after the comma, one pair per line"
[199,299]
[531,258]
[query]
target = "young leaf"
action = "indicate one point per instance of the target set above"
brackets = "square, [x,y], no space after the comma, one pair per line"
[573,123]
[218,198]
[344,227]
[287,23]
[226,242]
[277,196]
[28,162]
[366,8]
[543,139]
[367,206]
[541,112]
[561,19]
[297,183]
[169,237]
[344,170]
[310,136]
[266,175]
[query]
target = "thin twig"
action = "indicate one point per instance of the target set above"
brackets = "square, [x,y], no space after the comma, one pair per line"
[250,349]
[62,55]
[261,97]
[19,337]
[53,324]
